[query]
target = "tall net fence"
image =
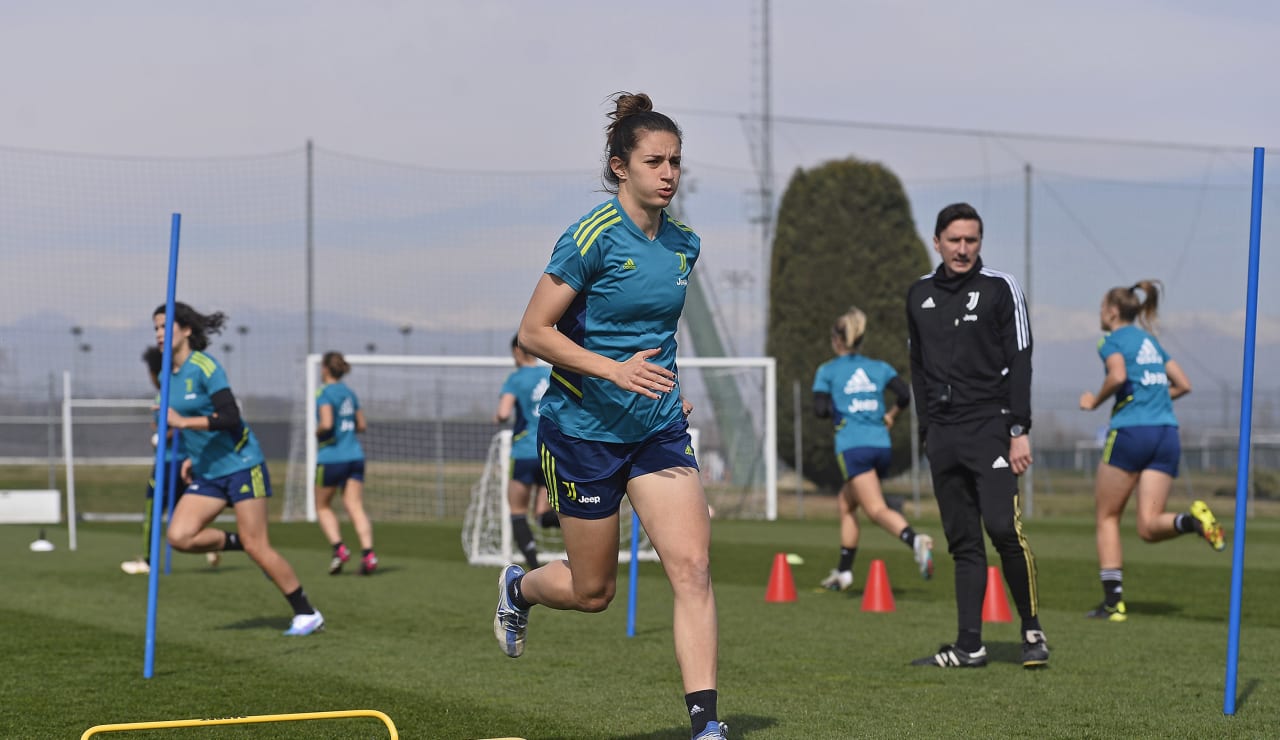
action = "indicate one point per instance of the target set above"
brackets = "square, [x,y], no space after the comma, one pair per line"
[414,260]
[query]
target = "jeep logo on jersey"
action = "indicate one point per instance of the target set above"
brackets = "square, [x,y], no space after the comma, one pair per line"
[973,300]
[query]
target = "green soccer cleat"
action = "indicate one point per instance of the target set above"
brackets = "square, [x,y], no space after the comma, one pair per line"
[1115,613]
[1208,525]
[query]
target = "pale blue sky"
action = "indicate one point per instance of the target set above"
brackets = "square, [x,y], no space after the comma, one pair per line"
[520,87]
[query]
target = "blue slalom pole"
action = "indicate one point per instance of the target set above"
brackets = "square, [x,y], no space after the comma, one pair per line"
[1246,426]
[171,495]
[634,573]
[166,373]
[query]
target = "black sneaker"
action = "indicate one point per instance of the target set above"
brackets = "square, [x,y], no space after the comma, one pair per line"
[1035,651]
[950,656]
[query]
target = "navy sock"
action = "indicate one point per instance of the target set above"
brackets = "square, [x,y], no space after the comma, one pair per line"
[298,600]
[231,542]
[516,596]
[846,558]
[908,535]
[337,546]
[1186,524]
[702,708]
[1112,585]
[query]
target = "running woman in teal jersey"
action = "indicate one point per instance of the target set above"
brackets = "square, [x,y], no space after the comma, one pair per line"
[153,356]
[340,464]
[225,466]
[521,397]
[613,422]
[1142,448]
[850,391]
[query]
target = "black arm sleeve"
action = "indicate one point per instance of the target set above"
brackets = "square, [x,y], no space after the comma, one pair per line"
[226,414]
[822,405]
[900,390]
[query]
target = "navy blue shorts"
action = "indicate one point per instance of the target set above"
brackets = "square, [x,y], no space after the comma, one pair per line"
[241,485]
[1135,449]
[527,471]
[329,475]
[151,480]
[587,479]
[857,460]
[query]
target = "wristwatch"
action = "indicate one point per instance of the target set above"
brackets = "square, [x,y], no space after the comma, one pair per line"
[1017,430]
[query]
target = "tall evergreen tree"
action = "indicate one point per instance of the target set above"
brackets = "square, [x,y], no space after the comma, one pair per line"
[844,237]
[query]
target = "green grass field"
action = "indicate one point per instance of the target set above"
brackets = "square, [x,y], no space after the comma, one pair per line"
[415,641]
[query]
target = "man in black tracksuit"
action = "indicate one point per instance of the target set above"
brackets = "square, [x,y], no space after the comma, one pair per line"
[971,375]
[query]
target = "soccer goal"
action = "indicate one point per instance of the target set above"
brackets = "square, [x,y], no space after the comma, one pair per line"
[431,434]
[103,432]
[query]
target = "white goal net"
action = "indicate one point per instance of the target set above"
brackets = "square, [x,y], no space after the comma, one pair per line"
[433,451]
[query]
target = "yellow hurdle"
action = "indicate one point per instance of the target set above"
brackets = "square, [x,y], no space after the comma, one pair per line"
[262,718]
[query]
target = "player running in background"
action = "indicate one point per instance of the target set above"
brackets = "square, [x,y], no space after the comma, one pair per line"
[849,390]
[613,423]
[1142,450]
[340,464]
[154,357]
[225,465]
[520,396]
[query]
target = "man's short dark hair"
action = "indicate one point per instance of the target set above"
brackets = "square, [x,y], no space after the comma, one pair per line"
[956,212]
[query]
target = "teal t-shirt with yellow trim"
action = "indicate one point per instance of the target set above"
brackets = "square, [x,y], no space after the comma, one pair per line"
[213,454]
[631,292]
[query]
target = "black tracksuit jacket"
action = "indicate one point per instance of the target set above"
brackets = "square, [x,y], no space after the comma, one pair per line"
[970,347]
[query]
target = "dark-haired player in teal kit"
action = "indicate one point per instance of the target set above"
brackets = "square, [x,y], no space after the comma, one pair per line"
[520,399]
[225,467]
[142,564]
[340,464]
[1142,450]
[604,314]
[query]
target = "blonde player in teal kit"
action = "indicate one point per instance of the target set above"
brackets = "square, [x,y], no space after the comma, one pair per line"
[225,466]
[340,464]
[1142,448]
[604,315]
[850,390]
[520,400]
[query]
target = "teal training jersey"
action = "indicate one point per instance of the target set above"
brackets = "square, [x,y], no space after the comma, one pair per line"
[630,294]
[856,385]
[168,449]
[213,454]
[342,445]
[1143,399]
[527,384]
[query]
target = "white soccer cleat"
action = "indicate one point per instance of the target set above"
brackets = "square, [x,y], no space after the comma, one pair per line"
[509,622]
[838,580]
[213,558]
[137,567]
[305,624]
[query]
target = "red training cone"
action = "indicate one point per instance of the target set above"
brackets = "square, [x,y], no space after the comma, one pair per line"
[995,607]
[877,596]
[781,586]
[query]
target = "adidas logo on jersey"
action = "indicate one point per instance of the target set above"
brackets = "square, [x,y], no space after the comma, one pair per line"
[928,303]
[1000,463]
[859,383]
[1148,354]
[629,264]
